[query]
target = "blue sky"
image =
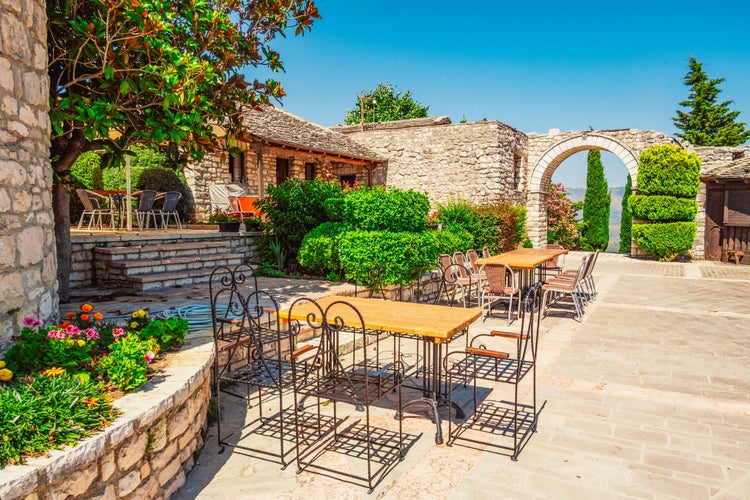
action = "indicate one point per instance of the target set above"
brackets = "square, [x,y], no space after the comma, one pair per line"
[532,65]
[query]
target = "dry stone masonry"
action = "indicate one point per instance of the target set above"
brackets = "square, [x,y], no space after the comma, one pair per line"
[27,244]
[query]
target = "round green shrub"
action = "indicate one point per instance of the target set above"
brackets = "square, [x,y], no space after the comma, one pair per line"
[334,208]
[451,240]
[669,171]
[665,240]
[386,209]
[319,251]
[398,257]
[662,208]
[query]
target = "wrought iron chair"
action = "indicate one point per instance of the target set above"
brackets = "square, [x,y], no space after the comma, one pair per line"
[359,377]
[500,284]
[456,279]
[170,209]
[472,257]
[145,210]
[93,208]
[256,359]
[499,357]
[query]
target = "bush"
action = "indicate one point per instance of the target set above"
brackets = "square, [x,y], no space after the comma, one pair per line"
[334,208]
[114,177]
[669,170]
[386,209]
[562,227]
[500,227]
[662,208]
[665,240]
[626,220]
[166,179]
[398,258]
[319,251]
[451,240]
[84,166]
[292,209]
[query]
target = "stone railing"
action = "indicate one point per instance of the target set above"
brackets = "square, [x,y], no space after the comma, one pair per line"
[147,450]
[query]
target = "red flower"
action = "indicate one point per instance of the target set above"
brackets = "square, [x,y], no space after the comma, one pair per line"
[71,315]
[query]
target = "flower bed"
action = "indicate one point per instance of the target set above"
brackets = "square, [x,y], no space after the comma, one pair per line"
[56,381]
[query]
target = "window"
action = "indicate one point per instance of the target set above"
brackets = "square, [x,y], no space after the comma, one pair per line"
[282,170]
[309,171]
[348,180]
[237,169]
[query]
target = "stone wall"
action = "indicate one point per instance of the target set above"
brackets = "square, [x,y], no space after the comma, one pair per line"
[147,450]
[28,267]
[480,161]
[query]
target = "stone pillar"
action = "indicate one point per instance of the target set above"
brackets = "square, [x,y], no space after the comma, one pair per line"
[28,265]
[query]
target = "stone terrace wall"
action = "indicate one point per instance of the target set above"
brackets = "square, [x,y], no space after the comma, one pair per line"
[472,161]
[145,453]
[27,244]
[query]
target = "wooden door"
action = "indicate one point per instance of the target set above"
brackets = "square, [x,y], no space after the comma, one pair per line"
[714,223]
[282,170]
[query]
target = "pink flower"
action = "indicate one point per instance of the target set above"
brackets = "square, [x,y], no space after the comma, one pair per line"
[72,330]
[32,322]
[118,332]
[57,334]
[91,333]
[149,356]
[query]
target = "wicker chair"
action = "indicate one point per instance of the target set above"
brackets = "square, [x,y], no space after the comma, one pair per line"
[500,284]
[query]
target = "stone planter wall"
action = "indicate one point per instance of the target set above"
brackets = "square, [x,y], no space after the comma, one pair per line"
[145,453]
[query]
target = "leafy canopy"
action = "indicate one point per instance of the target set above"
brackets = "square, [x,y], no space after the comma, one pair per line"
[706,121]
[384,104]
[159,71]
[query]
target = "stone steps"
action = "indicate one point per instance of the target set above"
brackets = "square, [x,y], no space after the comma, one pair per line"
[161,265]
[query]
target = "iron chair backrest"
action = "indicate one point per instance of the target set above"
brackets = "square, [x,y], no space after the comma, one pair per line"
[170,201]
[146,200]
[500,279]
[472,256]
[90,203]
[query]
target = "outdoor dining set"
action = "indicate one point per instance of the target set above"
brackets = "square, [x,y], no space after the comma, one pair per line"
[154,209]
[293,365]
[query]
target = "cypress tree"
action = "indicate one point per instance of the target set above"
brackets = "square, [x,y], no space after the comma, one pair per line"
[596,205]
[626,219]
[708,122]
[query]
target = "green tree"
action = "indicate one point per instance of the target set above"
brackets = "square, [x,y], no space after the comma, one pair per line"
[626,218]
[595,234]
[384,104]
[708,122]
[155,72]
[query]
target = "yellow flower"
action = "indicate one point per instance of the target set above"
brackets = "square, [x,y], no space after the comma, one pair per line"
[134,324]
[2,363]
[5,375]
[55,371]
[91,402]
[81,342]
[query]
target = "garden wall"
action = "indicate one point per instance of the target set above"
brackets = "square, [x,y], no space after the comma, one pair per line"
[28,267]
[147,450]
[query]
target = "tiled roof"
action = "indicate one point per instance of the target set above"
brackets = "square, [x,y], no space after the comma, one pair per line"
[282,128]
[738,169]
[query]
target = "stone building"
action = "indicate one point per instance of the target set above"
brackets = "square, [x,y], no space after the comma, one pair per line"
[280,146]
[28,266]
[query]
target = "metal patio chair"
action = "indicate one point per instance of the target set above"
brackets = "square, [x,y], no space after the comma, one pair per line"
[170,209]
[94,209]
[145,211]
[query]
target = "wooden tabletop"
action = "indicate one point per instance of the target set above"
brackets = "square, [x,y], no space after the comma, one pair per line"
[523,258]
[440,323]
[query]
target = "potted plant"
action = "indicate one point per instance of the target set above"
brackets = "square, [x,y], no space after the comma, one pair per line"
[226,223]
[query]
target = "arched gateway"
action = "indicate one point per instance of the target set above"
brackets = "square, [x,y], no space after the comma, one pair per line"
[548,151]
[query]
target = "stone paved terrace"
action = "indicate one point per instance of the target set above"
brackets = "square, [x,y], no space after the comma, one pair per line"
[648,397]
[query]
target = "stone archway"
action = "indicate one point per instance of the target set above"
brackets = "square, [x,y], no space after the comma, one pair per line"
[540,174]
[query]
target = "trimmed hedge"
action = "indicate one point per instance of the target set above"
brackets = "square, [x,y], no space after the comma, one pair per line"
[500,226]
[399,257]
[662,208]
[665,240]
[319,249]
[386,209]
[669,170]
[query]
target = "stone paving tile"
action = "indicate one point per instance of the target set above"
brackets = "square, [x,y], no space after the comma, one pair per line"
[647,397]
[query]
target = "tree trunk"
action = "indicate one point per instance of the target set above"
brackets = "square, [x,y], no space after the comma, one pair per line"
[61,208]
